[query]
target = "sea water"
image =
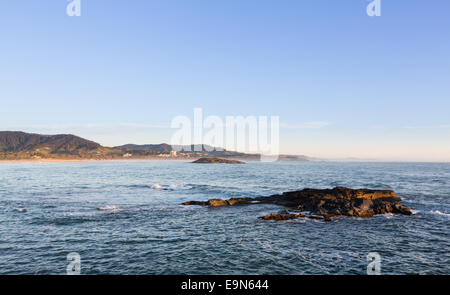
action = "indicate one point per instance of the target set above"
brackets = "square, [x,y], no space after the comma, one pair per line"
[125,217]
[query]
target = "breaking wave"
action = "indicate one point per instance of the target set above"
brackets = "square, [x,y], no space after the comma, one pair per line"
[157,186]
[437,212]
[107,208]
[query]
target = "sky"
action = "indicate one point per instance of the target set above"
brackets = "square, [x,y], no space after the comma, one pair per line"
[344,84]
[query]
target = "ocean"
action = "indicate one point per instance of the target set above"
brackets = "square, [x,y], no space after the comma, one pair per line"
[125,217]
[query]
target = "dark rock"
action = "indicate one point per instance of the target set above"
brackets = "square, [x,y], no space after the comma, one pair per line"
[217,203]
[328,216]
[239,201]
[216,161]
[401,209]
[315,217]
[284,215]
[324,203]
[196,203]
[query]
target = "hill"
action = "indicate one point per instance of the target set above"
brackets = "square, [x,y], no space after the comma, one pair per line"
[20,145]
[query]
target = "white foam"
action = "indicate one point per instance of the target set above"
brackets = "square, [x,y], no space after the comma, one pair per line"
[179,187]
[437,212]
[113,208]
[156,186]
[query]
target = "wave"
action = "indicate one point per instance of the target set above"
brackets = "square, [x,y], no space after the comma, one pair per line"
[157,186]
[77,217]
[137,186]
[180,186]
[171,187]
[174,186]
[107,208]
[378,186]
[422,202]
[216,188]
[437,212]
[64,220]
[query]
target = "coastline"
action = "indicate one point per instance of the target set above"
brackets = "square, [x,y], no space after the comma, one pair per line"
[92,160]
[158,159]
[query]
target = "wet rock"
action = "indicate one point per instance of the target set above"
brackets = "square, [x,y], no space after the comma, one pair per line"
[317,217]
[220,202]
[324,203]
[217,203]
[195,203]
[284,215]
[239,201]
[274,216]
[328,216]
[401,209]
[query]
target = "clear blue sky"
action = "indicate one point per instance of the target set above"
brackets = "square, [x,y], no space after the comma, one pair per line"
[376,87]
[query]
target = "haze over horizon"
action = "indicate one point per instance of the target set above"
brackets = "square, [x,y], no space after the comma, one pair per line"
[344,84]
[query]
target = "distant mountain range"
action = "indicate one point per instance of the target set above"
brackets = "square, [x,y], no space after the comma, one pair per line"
[16,145]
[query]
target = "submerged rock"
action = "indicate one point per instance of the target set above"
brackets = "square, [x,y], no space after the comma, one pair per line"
[323,203]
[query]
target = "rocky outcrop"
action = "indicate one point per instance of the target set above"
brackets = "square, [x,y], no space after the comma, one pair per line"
[216,161]
[323,203]
[220,202]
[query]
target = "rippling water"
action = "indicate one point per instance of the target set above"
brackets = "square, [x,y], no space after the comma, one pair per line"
[125,218]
